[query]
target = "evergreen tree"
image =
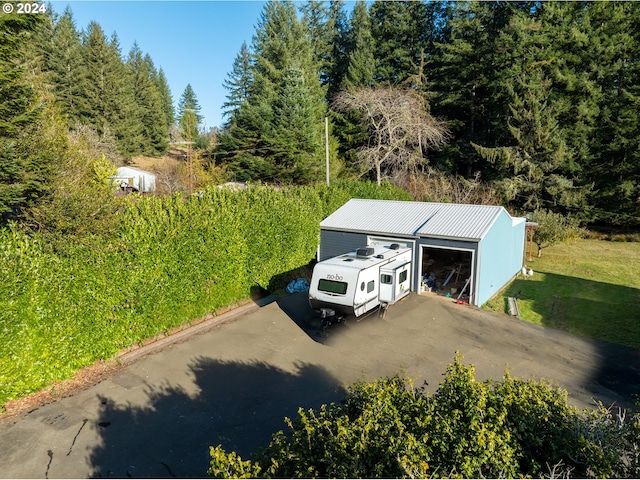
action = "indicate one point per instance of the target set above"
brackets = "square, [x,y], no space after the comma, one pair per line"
[284,65]
[557,41]
[280,44]
[358,71]
[403,32]
[315,15]
[108,97]
[17,108]
[65,62]
[189,114]
[339,57]
[280,38]
[94,87]
[391,27]
[574,70]
[165,98]
[94,108]
[122,117]
[325,25]
[614,166]
[469,83]
[239,146]
[360,49]
[148,111]
[239,83]
[26,157]
[137,139]
[537,169]
[295,138]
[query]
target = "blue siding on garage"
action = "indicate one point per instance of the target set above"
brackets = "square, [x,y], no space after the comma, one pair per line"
[500,256]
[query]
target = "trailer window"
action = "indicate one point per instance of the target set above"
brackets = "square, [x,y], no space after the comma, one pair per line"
[402,277]
[386,279]
[370,286]
[331,286]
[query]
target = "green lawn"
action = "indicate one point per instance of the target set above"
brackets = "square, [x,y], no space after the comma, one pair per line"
[589,287]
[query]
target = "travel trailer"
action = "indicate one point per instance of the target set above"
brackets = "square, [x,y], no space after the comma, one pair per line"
[359,281]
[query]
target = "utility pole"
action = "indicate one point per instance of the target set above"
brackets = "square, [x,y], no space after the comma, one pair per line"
[326,145]
[189,112]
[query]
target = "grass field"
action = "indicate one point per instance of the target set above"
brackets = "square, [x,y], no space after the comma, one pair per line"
[589,287]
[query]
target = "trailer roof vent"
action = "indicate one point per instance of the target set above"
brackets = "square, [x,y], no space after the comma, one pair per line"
[365,252]
[394,246]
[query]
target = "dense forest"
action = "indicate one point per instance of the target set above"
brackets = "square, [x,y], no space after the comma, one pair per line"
[73,108]
[540,98]
[534,105]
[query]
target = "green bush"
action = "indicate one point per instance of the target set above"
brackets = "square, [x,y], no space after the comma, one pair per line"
[466,429]
[554,228]
[68,301]
[625,237]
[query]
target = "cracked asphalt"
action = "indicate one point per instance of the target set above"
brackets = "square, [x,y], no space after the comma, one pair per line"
[232,383]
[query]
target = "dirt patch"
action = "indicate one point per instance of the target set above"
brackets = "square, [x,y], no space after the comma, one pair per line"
[84,378]
[166,163]
[169,170]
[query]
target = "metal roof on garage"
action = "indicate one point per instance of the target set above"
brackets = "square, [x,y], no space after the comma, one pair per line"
[416,219]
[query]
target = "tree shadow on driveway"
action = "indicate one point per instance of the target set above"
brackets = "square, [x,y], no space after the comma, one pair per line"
[296,307]
[237,405]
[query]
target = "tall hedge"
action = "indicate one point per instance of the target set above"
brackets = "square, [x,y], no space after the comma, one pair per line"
[173,259]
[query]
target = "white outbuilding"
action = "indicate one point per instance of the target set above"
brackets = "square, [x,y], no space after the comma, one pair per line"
[130,178]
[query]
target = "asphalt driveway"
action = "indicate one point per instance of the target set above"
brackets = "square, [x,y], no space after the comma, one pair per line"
[233,383]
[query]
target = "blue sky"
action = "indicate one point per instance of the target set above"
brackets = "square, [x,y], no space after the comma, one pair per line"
[193,41]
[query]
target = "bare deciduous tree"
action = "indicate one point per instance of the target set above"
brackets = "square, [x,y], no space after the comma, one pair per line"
[400,128]
[435,186]
[93,145]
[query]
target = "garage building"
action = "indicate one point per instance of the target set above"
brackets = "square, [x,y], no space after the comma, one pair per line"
[451,243]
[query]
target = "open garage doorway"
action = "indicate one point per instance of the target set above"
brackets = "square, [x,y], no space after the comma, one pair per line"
[445,270]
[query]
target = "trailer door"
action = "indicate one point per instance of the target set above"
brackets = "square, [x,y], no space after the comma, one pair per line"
[395,283]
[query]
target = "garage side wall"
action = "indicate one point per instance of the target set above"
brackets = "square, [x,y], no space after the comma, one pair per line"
[334,243]
[500,256]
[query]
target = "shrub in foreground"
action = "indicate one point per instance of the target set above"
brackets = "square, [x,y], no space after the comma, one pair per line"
[469,429]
